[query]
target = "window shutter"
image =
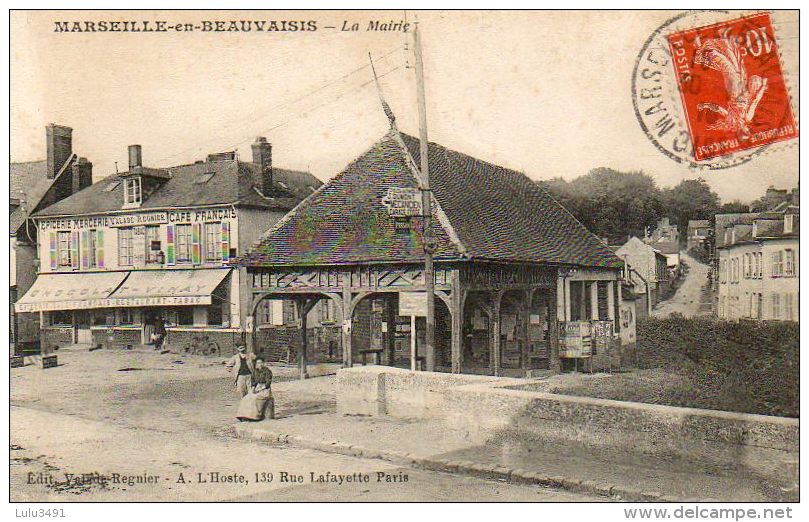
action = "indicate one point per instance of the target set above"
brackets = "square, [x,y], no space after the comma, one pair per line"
[196,247]
[85,249]
[225,241]
[74,250]
[100,248]
[52,251]
[170,255]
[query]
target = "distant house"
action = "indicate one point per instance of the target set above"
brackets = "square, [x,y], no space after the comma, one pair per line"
[666,239]
[758,265]
[34,185]
[646,265]
[699,230]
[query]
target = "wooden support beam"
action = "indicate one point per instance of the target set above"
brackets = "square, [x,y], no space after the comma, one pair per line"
[495,322]
[348,360]
[555,364]
[594,300]
[456,311]
[390,319]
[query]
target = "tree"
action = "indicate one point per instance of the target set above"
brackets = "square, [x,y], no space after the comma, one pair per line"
[610,203]
[734,207]
[691,199]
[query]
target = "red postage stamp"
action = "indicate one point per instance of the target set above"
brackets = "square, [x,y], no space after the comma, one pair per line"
[732,86]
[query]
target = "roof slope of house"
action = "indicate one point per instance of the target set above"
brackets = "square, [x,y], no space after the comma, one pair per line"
[481,212]
[29,183]
[189,186]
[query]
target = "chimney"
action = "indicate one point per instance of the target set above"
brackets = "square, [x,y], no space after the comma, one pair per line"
[82,174]
[135,158]
[59,140]
[262,159]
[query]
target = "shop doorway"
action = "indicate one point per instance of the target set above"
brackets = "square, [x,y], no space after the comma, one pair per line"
[83,334]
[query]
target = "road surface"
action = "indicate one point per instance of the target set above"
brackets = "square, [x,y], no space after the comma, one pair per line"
[689,299]
[87,431]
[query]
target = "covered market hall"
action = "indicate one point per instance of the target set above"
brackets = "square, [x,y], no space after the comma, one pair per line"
[520,284]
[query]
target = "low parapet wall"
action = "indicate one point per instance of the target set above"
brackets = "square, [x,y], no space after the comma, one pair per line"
[488,408]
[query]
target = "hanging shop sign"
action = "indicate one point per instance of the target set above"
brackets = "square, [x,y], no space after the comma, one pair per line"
[413,304]
[403,202]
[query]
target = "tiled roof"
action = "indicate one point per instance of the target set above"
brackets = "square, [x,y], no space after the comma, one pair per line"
[484,212]
[230,183]
[724,221]
[28,182]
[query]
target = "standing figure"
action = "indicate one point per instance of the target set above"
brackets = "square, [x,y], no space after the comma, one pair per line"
[245,364]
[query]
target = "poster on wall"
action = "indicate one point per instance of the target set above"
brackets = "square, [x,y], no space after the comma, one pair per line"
[575,340]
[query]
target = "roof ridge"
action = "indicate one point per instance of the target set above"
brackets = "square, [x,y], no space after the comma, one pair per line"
[443,219]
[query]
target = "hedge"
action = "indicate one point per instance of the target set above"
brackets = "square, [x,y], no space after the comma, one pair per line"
[745,366]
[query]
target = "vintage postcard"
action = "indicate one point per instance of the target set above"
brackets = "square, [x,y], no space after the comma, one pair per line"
[404,256]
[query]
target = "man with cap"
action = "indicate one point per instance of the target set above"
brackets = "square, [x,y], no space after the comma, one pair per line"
[245,364]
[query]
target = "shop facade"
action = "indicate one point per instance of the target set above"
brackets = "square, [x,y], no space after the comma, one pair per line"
[148,252]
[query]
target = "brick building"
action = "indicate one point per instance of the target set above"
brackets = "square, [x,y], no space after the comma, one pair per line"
[35,185]
[151,248]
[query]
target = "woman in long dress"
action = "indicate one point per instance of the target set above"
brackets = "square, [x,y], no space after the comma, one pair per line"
[252,405]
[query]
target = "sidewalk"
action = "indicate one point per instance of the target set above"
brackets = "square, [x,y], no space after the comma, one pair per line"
[430,445]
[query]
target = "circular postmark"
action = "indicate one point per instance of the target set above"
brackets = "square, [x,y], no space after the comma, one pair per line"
[708,89]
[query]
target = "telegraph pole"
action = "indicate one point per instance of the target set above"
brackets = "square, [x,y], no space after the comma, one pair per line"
[429,279]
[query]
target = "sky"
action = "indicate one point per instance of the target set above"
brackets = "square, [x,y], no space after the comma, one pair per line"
[546,93]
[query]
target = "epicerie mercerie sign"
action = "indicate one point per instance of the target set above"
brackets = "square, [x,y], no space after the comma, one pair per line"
[140,219]
[403,202]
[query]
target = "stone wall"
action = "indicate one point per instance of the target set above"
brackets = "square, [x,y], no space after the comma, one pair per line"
[54,336]
[489,408]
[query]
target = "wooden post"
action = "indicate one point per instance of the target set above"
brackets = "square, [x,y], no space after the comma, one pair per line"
[568,305]
[348,360]
[413,347]
[390,318]
[594,300]
[611,301]
[496,341]
[554,363]
[303,309]
[456,299]
[426,199]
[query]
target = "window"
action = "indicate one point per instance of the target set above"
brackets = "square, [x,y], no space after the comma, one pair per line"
[60,318]
[776,306]
[125,253]
[65,253]
[327,311]
[91,249]
[215,315]
[213,244]
[185,316]
[789,262]
[183,243]
[152,244]
[757,265]
[265,312]
[132,192]
[204,178]
[129,316]
[789,307]
[747,263]
[755,306]
[777,264]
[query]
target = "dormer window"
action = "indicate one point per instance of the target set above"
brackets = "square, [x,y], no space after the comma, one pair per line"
[132,192]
